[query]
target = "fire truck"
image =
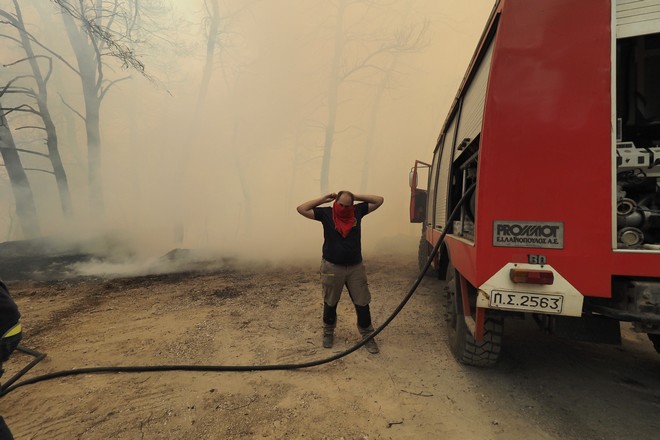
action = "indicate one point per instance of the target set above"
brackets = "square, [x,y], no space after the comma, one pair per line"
[553,143]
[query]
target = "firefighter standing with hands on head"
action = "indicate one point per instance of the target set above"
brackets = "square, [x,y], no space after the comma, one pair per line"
[342,258]
[10,335]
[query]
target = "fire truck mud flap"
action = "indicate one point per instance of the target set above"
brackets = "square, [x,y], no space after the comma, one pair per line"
[559,297]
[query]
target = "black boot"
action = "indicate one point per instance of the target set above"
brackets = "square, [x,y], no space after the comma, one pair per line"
[370,345]
[329,323]
[328,336]
[365,327]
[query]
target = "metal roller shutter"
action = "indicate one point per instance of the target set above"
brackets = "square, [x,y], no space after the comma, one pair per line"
[637,17]
[431,191]
[472,113]
[443,176]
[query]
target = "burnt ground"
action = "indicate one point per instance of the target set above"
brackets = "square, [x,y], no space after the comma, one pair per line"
[543,387]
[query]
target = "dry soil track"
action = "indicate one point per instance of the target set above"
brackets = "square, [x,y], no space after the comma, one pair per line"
[543,388]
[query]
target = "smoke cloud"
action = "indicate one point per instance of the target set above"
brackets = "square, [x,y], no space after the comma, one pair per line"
[225,172]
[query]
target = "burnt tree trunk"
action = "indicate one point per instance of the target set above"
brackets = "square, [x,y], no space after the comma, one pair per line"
[333,98]
[211,42]
[51,131]
[245,187]
[373,119]
[26,209]
[90,68]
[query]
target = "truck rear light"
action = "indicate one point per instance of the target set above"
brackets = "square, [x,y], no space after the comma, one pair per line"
[529,276]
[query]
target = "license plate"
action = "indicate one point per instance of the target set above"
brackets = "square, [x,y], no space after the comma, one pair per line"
[528,302]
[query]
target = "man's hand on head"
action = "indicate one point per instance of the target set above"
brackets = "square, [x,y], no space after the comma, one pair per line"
[307,208]
[330,197]
[373,200]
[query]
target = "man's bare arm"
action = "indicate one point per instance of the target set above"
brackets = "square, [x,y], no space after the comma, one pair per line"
[373,201]
[307,208]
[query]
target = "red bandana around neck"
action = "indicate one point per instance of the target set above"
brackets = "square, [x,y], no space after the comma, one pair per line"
[344,218]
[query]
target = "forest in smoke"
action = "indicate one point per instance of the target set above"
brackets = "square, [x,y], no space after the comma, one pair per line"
[204,123]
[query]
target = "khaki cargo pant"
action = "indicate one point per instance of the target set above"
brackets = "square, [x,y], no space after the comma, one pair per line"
[335,276]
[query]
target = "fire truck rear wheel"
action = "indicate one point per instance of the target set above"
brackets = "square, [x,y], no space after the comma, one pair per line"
[461,342]
[655,338]
[423,254]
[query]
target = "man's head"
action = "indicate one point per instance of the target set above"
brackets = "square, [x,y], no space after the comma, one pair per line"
[345,198]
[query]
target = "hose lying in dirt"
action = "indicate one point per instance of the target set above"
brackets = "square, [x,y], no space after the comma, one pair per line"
[235,368]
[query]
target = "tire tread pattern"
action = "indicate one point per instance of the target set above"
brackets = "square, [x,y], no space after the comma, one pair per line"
[486,353]
[461,342]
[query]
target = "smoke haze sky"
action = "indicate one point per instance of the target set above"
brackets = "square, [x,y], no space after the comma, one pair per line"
[232,169]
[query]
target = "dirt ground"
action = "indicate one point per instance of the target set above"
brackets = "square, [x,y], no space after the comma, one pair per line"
[542,388]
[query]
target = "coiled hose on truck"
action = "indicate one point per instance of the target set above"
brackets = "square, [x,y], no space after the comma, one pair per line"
[225,368]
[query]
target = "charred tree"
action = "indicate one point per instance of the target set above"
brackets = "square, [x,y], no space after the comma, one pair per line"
[213,19]
[90,69]
[97,30]
[26,209]
[216,29]
[341,70]
[411,38]
[41,97]
[334,82]
[371,127]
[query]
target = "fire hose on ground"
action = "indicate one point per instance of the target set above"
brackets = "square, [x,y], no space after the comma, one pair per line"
[12,385]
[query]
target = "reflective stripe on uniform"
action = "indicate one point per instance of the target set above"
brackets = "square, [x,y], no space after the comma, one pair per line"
[13,331]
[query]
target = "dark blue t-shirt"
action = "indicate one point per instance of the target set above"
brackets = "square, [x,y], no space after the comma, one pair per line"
[337,249]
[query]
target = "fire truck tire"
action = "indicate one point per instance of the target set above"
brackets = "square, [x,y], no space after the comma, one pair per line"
[423,254]
[655,338]
[461,342]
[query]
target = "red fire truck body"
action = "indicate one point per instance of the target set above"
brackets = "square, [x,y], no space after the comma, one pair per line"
[557,123]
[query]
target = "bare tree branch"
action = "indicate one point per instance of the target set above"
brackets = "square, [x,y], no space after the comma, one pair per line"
[25,127]
[405,40]
[8,15]
[33,141]
[40,170]
[316,124]
[131,26]
[32,38]
[21,150]
[71,108]
[97,50]
[125,54]
[9,37]
[26,108]
[22,90]
[2,92]
[21,60]
[50,64]
[112,16]
[365,62]
[110,84]
[50,68]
